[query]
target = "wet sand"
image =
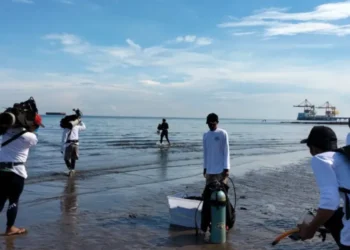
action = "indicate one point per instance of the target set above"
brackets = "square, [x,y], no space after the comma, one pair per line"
[130,211]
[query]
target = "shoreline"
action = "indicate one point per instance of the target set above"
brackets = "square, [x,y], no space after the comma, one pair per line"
[130,216]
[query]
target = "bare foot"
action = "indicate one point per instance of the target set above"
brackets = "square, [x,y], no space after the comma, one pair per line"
[15,231]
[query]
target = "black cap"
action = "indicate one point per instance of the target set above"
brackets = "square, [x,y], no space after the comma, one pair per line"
[322,137]
[212,117]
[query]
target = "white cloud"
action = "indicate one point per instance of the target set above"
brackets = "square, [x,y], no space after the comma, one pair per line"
[64,38]
[201,41]
[243,33]
[23,1]
[66,2]
[132,44]
[150,82]
[279,22]
[309,27]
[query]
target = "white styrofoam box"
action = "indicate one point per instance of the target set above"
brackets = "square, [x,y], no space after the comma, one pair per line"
[183,211]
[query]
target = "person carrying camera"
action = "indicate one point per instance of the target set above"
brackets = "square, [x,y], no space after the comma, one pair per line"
[15,146]
[70,145]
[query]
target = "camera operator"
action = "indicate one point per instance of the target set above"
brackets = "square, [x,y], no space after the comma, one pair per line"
[16,142]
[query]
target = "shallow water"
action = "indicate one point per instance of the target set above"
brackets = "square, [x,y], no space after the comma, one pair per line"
[117,200]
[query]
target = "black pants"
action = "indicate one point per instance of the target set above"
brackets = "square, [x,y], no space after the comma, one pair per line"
[164,133]
[11,187]
[335,225]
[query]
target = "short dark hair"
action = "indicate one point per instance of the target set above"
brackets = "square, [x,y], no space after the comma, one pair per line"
[212,117]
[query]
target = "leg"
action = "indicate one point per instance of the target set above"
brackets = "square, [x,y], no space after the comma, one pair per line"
[16,189]
[74,155]
[4,184]
[68,164]
[167,138]
[67,157]
[161,137]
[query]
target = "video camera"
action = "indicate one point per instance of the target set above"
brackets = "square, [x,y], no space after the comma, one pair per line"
[70,121]
[20,115]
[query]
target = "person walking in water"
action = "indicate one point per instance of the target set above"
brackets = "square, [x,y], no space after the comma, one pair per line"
[13,156]
[164,127]
[70,145]
[216,165]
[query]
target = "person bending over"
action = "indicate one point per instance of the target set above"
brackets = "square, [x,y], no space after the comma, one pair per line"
[332,173]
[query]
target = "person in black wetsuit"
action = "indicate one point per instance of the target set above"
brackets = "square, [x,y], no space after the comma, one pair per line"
[164,127]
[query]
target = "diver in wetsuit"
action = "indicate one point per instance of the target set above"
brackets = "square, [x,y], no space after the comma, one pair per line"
[164,127]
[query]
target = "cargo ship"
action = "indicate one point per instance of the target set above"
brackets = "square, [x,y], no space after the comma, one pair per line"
[55,113]
[309,116]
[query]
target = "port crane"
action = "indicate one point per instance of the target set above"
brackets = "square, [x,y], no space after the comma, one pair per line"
[330,109]
[309,109]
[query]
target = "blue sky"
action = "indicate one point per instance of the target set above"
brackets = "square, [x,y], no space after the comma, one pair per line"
[242,59]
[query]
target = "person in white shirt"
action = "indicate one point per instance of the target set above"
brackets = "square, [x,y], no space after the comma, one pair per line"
[332,173]
[216,152]
[70,145]
[15,146]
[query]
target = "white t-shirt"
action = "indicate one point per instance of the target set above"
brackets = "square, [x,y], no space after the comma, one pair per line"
[17,150]
[74,135]
[348,139]
[216,151]
[332,171]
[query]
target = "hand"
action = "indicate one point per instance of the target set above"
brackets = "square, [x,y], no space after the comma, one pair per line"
[226,173]
[306,231]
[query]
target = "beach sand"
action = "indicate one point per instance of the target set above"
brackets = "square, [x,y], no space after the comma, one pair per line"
[124,211]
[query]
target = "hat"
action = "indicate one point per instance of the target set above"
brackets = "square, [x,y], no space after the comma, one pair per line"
[322,137]
[38,121]
[212,117]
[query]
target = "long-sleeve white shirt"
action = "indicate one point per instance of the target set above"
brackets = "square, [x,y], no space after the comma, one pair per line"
[216,151]
[348,139]
[332,171]
[74,134]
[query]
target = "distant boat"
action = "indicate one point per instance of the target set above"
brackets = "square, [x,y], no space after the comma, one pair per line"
[55,113]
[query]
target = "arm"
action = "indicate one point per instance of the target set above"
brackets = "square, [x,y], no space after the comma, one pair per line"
[30,139]
[329,195]
[226,148]
[348,139]
[81,126]
[63,139]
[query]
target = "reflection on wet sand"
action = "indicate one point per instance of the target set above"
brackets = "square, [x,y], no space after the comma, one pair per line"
[69,207]
[163,161]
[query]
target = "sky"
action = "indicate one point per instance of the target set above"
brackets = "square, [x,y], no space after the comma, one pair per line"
[176,58]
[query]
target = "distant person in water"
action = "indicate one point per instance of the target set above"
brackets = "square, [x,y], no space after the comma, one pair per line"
[70,146]
[216,152]
[164,128]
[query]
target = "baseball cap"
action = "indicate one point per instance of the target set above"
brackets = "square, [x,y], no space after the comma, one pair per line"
[38,121]
[212,117]
[322,137]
